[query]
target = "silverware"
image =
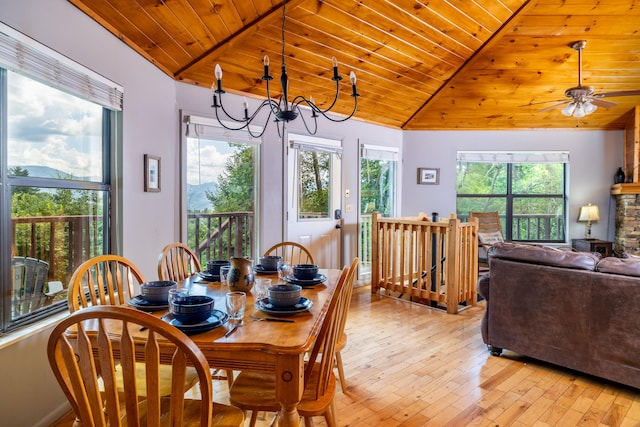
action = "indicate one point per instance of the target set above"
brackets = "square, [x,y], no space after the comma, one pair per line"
[272,319]
[232,330]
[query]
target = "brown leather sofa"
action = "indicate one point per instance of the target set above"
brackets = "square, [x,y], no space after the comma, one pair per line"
[571,309]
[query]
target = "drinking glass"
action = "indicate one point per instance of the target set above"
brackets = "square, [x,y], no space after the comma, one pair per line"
[224,270]
[260,288]
[284,269]
[236,303]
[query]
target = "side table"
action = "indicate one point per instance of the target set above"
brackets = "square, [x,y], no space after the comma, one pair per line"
[593,245]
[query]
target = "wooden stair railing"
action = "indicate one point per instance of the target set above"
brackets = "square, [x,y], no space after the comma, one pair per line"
[436,262]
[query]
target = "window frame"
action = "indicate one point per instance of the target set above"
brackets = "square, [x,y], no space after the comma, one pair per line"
[509,196]
[29,58]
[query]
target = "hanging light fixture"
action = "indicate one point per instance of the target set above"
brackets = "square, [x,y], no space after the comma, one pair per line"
[579,108]
[283,110]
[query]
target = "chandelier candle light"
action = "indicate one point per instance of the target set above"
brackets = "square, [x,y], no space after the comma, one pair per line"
[589,213]
[283,110]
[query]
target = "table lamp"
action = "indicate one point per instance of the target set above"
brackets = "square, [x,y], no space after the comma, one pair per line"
[589,213]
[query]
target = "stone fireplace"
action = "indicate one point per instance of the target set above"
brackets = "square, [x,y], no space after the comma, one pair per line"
[627,237]
[627,232]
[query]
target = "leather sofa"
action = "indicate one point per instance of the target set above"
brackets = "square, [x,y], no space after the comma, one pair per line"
[571,309]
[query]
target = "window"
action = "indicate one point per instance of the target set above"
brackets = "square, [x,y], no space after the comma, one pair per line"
[58,121]
[378,177]
[528,189]
[222,178]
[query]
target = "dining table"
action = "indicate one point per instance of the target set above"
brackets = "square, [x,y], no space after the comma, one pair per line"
[265,346]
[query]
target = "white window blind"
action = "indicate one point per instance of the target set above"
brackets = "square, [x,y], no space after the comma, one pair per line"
[24,55]
[209,128]
[378,152]
[311,143]
[513,156]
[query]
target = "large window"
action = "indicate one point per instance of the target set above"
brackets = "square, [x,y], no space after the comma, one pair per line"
[57,126]
[527,189]
[222,172]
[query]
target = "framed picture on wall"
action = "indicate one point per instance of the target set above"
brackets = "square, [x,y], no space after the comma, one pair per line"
[428,175]
[151,173]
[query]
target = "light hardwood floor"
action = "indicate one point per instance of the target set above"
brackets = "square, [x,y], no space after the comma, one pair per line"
[410,365]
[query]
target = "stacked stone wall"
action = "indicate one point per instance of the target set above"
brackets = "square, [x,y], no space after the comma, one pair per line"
[627,236]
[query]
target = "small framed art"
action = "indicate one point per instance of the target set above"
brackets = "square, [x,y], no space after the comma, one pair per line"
[151,173]
[428,175]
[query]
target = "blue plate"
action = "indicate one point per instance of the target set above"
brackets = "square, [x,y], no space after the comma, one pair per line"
[264,305]
[315,281]
[217,319]
[142,304]
[208,276]
[259,269]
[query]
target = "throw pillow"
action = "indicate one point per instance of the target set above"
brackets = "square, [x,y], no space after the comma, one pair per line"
[490,238]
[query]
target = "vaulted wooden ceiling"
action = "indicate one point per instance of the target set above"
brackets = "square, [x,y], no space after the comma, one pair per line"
[421,64]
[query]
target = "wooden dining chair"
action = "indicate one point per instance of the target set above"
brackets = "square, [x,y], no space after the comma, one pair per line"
[342,335]
[103,280]
[85,348]
[112,280]
[293,252]
[177,262]
[256,391]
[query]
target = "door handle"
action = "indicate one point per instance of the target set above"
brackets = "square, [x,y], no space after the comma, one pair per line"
[338,226]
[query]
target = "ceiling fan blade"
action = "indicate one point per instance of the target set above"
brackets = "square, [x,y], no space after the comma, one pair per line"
[554,106]
[619,93]
[542,102]
[602,103]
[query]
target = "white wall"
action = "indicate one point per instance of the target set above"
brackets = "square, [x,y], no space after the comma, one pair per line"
[594,158]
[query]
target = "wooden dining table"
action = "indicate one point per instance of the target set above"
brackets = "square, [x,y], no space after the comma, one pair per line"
[265,346]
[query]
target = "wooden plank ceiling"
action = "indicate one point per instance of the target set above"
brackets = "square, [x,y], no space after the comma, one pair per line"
[429,64]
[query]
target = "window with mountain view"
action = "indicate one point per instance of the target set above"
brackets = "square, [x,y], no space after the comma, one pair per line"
[58,125]
[58,190]
[221,171]
[527,189]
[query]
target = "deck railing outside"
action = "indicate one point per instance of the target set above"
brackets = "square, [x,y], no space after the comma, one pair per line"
[220,236]
[534,227]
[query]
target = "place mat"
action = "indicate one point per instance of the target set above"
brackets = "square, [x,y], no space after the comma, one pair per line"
[315,281]
[142,304]
[264,305]
[217,319]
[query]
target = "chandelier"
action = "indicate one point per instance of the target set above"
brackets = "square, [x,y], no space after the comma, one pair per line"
[283,110]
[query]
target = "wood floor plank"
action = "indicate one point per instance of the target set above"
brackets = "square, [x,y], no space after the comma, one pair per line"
[410,365]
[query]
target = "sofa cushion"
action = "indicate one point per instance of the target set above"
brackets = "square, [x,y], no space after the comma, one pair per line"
[545,256]
[626,266]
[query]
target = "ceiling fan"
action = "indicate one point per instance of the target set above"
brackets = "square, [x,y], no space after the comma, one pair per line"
[582,100]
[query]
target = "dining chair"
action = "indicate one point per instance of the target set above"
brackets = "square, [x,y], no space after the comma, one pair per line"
[85,348]
[293,252]
[342,335]
[103,280]
[112,280]
[256,391]
[177,262]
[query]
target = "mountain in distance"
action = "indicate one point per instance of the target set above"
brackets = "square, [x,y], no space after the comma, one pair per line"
[45,172]
[196,197]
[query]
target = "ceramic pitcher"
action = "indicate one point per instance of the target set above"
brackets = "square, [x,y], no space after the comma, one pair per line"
[240,276]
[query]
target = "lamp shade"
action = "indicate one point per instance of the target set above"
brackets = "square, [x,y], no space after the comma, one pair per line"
[589,213]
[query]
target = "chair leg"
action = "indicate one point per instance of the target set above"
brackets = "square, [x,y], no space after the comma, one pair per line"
[230,377]
[343,383]
[330,415]
[254,418]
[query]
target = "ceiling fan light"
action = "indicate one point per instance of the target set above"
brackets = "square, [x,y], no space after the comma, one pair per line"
[580,111]
[569,109]
[589,107]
